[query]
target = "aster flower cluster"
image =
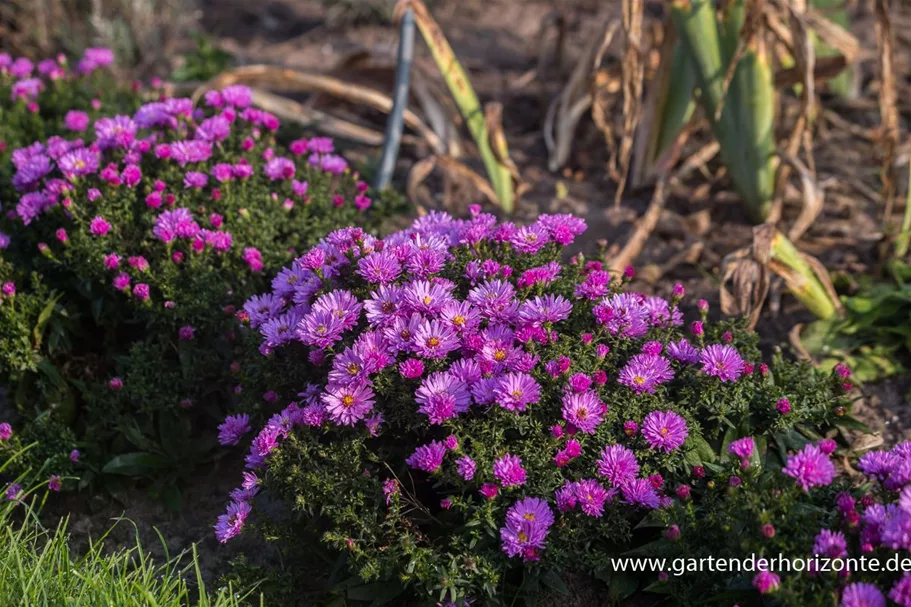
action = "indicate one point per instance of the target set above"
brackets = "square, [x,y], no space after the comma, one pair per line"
[154,225]
[811,509]
[508,388]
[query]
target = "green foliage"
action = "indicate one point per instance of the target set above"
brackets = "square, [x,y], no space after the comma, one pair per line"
[874,337]
[205,62]
[39,569]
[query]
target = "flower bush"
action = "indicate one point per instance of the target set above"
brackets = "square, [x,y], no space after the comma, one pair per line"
[153,229]
[55,98]
[848,536]
[486,416]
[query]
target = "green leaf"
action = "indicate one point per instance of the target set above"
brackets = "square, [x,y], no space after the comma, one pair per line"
[43,318]
[552,580]
[136,464]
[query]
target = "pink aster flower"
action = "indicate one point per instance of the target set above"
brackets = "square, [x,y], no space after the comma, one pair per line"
[810,468]
[99,226]
[509,471]
[583,410]
[721,361]
[618,465]
[442,396]
[591,497]
[349,404]
[644,372]
[515,391]
[466,467]
[6,431]
[664,430]
[231,523]
[766,582]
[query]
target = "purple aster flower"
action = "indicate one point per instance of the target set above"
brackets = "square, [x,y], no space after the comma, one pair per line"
[583,410]
[664,430]
[427,457]
[320,329]
[644,372]
[462,316]
[509,471]
[195,179]
[233,428]
[831,544]
[591,497]
[347,368]
[878,464]
[640,492]
[442,396]
[901,591]
[623,314]
[494,300]
[342,305]
[116,132]
[261,308]
[547,309]
[515,391]
[618,465]
[175,223]
[402,333]
[721,361]
[349,404]
[6,431]
[379,267]
[466,467]
[333,164]
[31,206]
[435,339]
[231,523]
[188,152]
[279,168]
[55,483]
[14,492]
[862,594]
[528,522]
[141,291]
[529,239]
[810,468]
[683,351]
[74,456]
[216,128]
[660,313]
[78,162]
[426,297]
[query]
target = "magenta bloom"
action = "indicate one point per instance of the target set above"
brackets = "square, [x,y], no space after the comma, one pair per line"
[122,281]
[195,179]
[742,447]
[99,226]
[186,333]
[547,309]
[664,430]
[584,411]
[231,523]
[233,428]
[644,372]
[509,471]
[618,464]
[141,291]
[54,483]
[6,431]
[279,168]
[721,361]
[591,497]
[76,121]
[766,582]
[515,391]
[427,457]
[379,268]
[810,468]
[862,594]
[349,404]
[411,368]
[78,163]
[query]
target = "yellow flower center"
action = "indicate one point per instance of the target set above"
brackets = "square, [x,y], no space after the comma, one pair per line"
[517,394]
[353,369]
[582,413]
[459,320]
[638,380]
[80,164]
[499,355]
[427,300]
[529,516]
[523,537]
[433,342]
[664,431]
[347,400]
